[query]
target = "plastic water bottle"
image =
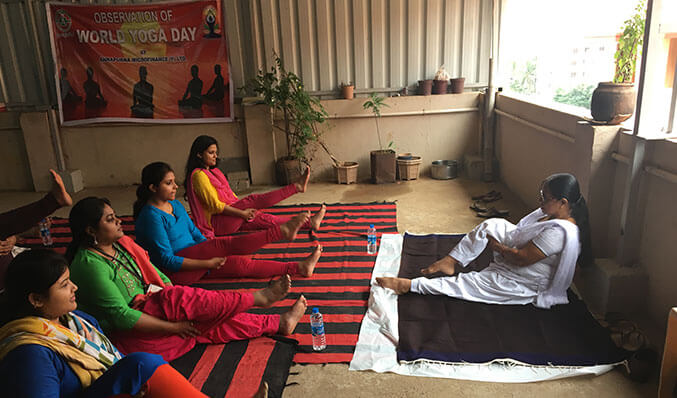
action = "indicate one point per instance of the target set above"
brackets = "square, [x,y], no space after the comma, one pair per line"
[45,234]
[317,328]
[371,240]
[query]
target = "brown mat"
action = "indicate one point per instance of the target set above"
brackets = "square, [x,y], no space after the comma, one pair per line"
[451,330]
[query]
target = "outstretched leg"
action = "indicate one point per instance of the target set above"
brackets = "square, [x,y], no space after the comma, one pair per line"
[277,290]
[317,218]
[446,265]
[307,265]
[291,318]
[399,285]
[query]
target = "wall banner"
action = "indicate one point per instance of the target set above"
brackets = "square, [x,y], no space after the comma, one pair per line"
[144,63]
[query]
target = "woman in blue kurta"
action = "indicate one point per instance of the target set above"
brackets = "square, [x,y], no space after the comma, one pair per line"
[48,349]
[178,247]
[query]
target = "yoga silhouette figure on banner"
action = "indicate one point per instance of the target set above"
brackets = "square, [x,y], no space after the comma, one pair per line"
[192,98]
[93,96]
[142,96]
[217,91]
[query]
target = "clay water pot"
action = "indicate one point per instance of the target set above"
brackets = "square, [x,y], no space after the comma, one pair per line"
[613,102]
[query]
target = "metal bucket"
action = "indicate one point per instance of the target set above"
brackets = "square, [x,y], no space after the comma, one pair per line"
[444,169]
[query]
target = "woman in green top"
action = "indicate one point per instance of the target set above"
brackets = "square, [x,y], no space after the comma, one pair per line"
[138,305]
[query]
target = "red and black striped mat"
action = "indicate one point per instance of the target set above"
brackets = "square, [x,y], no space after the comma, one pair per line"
[340,285]
[238,368]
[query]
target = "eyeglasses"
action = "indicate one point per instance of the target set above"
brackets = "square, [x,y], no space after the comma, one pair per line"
[542,199]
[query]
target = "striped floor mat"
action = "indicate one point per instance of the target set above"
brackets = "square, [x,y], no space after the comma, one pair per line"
[237,369]
[340,285]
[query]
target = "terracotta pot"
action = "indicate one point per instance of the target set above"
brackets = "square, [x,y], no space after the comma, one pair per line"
[383,167]
[346,173]
[347,92]
[425,87]
[440,86]
[457,85]
[613,102]
[287,170]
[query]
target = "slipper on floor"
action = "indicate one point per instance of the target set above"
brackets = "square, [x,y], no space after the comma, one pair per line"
[477,207]
[493,212]
[479,197]
[491,197]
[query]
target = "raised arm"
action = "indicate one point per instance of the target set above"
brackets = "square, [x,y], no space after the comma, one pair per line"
[19,220]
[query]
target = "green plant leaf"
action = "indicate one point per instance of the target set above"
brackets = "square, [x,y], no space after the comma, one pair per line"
[284,93]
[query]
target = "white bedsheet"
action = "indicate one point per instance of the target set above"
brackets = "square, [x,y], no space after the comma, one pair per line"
[376,345]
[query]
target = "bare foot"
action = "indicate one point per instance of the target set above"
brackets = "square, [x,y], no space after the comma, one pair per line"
[316,220]
[399,285]
[59,191]
[289,319]
[291,227]
[262,391]
[307,265]
[275,292]
[302,183]
[446,265]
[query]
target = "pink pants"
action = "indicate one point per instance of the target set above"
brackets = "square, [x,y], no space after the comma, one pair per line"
[226,225]
[235,266]
[218,314]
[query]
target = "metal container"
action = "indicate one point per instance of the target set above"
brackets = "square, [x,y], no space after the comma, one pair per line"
[444,169]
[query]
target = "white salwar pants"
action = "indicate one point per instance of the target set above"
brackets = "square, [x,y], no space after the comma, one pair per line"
[493,284]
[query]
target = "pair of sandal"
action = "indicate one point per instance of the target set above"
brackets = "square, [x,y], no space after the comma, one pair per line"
[488,212]
[488,197]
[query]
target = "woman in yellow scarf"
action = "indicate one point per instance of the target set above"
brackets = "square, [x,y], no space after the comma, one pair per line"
[48,349]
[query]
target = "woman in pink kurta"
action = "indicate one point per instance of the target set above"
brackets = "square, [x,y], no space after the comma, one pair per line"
[217,211]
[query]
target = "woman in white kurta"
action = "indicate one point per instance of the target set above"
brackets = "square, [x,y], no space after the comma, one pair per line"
[534,261]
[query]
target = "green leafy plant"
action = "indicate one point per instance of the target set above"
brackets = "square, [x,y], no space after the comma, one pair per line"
[301,113]
[578,96]
[523,78]
[629,45]
[375,103]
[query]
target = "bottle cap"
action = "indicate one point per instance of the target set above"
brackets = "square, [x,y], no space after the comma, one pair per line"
[316,310]
[371,226]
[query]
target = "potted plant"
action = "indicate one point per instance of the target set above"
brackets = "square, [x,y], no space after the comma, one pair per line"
[614,102]
[457,85]
[425,87]
[293,111]
[382,160]
[441,81]
[408,166]
[346,172]
[347,90]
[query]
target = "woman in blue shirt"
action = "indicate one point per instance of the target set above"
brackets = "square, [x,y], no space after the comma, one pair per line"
[48,349]
[176,245]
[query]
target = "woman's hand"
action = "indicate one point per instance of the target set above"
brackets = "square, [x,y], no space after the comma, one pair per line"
[185,329]
[493,244]
[249,214]
[215,263]
[7,245]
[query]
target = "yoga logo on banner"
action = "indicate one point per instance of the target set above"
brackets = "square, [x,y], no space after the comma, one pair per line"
[150,63]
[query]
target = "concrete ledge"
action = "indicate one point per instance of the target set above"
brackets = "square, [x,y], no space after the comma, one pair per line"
[608,287]
[72,180]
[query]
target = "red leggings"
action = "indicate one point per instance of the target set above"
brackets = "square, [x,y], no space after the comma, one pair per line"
[235,266]
[166,382]
[226,225]
[218,314]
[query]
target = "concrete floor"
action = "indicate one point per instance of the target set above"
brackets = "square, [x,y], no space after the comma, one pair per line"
[423,206]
